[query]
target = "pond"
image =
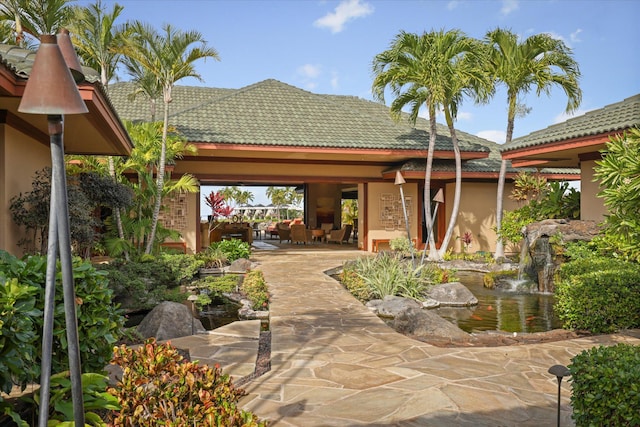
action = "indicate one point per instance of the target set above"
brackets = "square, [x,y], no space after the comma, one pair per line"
[502,310]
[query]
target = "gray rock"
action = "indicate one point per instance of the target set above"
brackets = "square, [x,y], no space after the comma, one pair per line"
[170,320]
[430,303]
[392,306]
[241,265]
[425,323]
[453,294]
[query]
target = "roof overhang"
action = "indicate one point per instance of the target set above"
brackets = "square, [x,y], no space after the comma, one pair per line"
[559,154]
[99,132]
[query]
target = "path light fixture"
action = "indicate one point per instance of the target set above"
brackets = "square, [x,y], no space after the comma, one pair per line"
[399,181]
[438,199]
[560,372]
[51,89]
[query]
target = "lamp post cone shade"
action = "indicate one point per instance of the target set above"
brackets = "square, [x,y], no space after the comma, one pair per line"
[51,88]
[399,179]
[69,55]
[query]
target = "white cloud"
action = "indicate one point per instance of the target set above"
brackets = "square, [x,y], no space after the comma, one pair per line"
[498,136]
[346,11]
[509,6]
[574,36]
[334,80]
[462,115]
[309,71]
[452,4]
[563,117]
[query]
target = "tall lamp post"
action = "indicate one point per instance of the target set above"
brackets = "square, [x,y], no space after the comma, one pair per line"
[399,181]
[51,89]
[438,199]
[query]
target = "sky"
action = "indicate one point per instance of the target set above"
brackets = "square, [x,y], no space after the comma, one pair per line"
[327,46]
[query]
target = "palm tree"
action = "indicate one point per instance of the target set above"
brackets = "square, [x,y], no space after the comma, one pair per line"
[435,70]
[98,41]
[32,18]
[540,61]
[169,57]
[278,197]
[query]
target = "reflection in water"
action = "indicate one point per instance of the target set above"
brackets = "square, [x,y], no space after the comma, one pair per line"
[502,310]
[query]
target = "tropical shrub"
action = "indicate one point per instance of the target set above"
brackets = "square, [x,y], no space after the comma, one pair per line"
[402,246]
[159,388]
[139,285]
[354,282]
[605,384]
[619,176]
[212,257]
[233,249]
[99,321]
[183,267]
[255,288]
[541,200]
[600,295]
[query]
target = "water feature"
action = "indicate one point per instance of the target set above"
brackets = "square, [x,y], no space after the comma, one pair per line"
[510,310]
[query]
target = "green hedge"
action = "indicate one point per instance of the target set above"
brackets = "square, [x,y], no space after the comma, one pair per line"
[605,384]
[21,304]
[601,295]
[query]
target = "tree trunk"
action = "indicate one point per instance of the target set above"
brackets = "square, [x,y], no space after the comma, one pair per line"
[458,189]
[159,178]
[433,252]
[112,173]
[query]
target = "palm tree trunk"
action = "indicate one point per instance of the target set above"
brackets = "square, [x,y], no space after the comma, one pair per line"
[458,189]
[511,114]
[160,177]
[433,253]
[112,173]
[499,210]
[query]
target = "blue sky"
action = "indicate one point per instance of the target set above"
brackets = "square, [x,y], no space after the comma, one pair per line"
[327,46]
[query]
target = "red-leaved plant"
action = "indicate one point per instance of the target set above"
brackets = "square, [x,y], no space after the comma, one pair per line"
[219,209]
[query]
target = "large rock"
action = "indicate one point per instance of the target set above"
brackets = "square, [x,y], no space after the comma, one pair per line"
[426,324]
[391,306]
[453,294]
[541,252]
[170,320]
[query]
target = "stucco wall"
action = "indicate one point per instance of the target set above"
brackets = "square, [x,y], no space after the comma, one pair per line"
[477,214]
[20,158]
[591,206]
[377,228]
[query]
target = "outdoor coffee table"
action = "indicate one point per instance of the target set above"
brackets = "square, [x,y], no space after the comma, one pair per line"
[318,235]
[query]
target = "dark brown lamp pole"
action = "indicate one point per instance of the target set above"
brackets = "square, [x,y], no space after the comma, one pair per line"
[51,89]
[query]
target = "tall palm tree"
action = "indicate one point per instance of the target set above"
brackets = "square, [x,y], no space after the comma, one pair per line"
[169,57]
[436,70]
[99,40]
[32,18]
[539,61]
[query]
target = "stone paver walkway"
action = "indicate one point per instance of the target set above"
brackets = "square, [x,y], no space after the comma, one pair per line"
[333,363]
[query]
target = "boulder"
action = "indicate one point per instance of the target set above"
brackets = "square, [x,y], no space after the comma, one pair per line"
[392,306]
[241,265]
[427,324]
[453,294]
[170,320]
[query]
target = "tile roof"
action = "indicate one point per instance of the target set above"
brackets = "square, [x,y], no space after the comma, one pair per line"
[611,118]
[272,113]
[489,165]
[20,62]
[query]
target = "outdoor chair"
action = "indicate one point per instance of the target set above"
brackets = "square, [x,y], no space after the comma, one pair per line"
[299,234]
[341,235]
[284,232]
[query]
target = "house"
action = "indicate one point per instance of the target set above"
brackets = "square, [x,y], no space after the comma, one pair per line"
[332,147]
[576,143]
[24,138]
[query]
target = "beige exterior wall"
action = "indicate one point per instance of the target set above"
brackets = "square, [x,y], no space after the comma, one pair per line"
[385,215]
[477,214]
[591,206]
[20,158]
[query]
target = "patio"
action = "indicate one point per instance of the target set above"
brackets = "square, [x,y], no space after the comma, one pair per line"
[334,363]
